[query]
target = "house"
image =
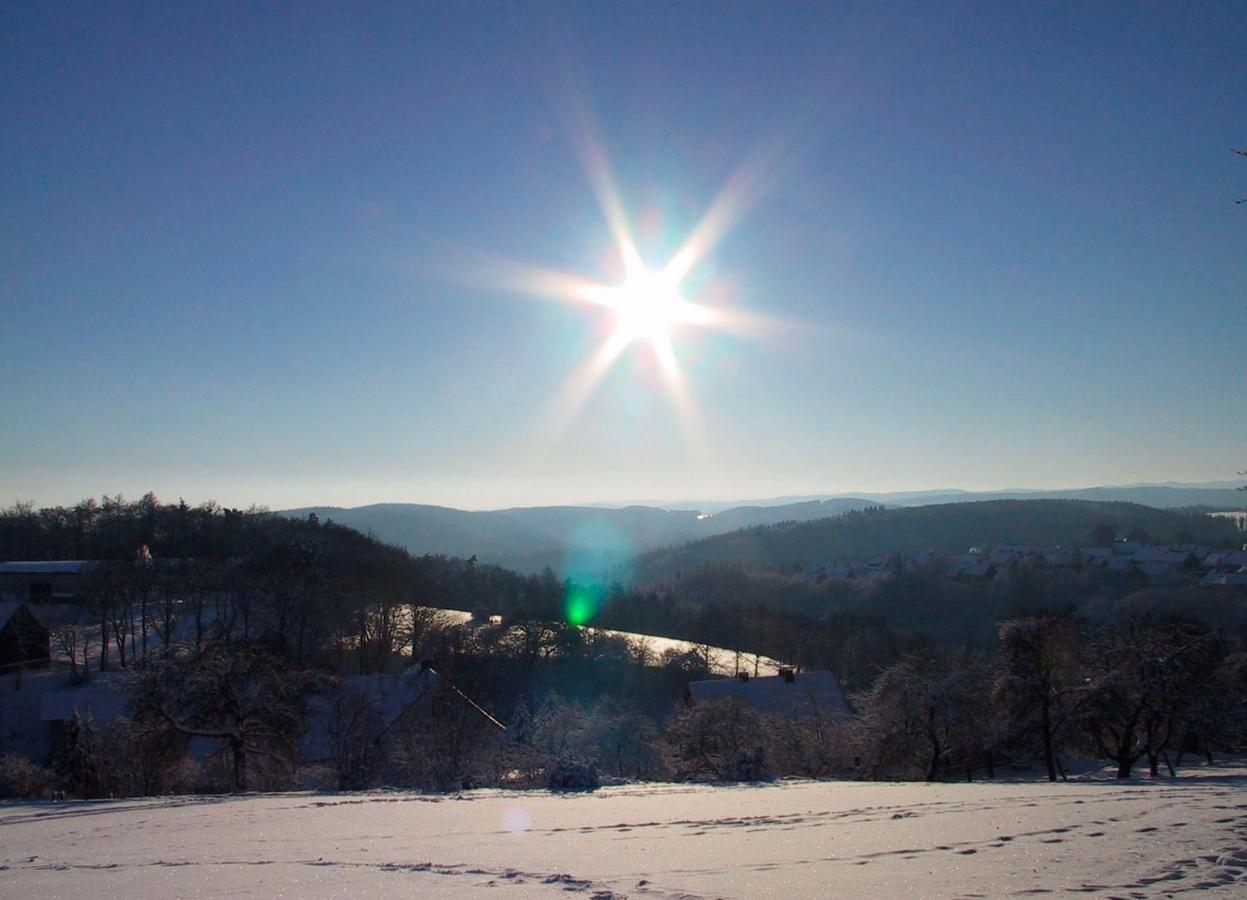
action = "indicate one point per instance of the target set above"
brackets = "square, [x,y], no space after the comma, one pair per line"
[1226,560]
[24,639]
[1173,556]
[1062,557]
[104,701]
[1096,556]
[419,692]
[1003,554]
[789,693]
[1156,569]
[1225,579]
[969,565]
[57,581]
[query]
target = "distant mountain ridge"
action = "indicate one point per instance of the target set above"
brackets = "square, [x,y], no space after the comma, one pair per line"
[580,540]
[592,540]
[1162,495]
[945,528]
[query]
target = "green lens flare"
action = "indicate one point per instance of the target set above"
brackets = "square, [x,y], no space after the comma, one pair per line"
[580,606]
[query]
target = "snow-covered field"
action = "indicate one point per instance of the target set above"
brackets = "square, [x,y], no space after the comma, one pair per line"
[791,839]
[722,660]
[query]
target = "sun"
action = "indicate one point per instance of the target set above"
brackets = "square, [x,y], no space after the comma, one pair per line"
[648,306]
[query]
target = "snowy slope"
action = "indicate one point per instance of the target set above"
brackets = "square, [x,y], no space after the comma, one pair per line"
[792,839]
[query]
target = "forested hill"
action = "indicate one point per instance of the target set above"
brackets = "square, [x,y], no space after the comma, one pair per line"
[947,528]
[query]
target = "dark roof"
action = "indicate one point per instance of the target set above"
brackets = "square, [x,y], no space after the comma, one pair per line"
[389,695]
[104,703]
[9,609]
[6,612]
[807,694]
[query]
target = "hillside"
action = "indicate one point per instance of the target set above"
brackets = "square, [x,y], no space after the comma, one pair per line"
[1174,495]
[947,528]
[1161,496]
[570,539]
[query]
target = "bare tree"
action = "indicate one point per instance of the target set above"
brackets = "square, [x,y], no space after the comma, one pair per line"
[72,637]
[239,693]
[1144,676]
[1039,680]
[355,732]
[724,739]
[922,714]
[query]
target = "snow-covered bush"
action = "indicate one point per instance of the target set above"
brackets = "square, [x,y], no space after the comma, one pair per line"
[21,779]
[722,740]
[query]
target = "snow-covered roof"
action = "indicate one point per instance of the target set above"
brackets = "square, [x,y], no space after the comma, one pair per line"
[104,704]
[46,567]
[389,695]
[1226,559]
[1174,556]
[807,693]
[1154,568]
[1217,579]
[968,565]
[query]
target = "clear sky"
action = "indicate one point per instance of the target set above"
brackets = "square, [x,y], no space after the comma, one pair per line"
[259,252]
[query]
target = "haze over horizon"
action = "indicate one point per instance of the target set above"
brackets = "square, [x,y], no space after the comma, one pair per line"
[341,256]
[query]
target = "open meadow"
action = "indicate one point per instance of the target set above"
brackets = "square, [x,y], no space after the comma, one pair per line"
[788,839]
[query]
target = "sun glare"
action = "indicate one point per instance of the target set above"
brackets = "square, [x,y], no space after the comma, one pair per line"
[648,306]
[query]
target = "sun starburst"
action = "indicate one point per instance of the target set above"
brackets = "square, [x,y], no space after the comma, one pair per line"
[649,306]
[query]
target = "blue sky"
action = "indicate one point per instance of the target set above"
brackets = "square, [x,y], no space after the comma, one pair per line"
[247,252]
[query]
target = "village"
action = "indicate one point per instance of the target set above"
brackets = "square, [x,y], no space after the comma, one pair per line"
[1150,563]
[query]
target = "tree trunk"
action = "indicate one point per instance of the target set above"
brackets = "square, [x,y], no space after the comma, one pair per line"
[240,764]
[1125,758]
[104,642]
[933,768]
[143,616]
[1046,725]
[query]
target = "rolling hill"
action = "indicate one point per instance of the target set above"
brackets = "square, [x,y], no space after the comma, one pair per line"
[577,540]
[946,528]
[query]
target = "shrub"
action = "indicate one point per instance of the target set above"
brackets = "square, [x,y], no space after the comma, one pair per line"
[724,740]
[21,779]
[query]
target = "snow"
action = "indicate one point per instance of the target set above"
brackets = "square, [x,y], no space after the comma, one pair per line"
[789,839]
[721,660]
[49,567]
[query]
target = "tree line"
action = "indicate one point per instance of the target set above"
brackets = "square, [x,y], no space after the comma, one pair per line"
[947,679]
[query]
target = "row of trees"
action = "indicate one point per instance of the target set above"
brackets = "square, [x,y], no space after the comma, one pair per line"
[947,678]
[1139,691]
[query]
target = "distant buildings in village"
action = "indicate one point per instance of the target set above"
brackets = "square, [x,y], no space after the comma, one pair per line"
[1155,563]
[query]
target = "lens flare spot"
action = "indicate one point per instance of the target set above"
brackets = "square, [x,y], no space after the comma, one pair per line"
[516,819]
[580,606]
